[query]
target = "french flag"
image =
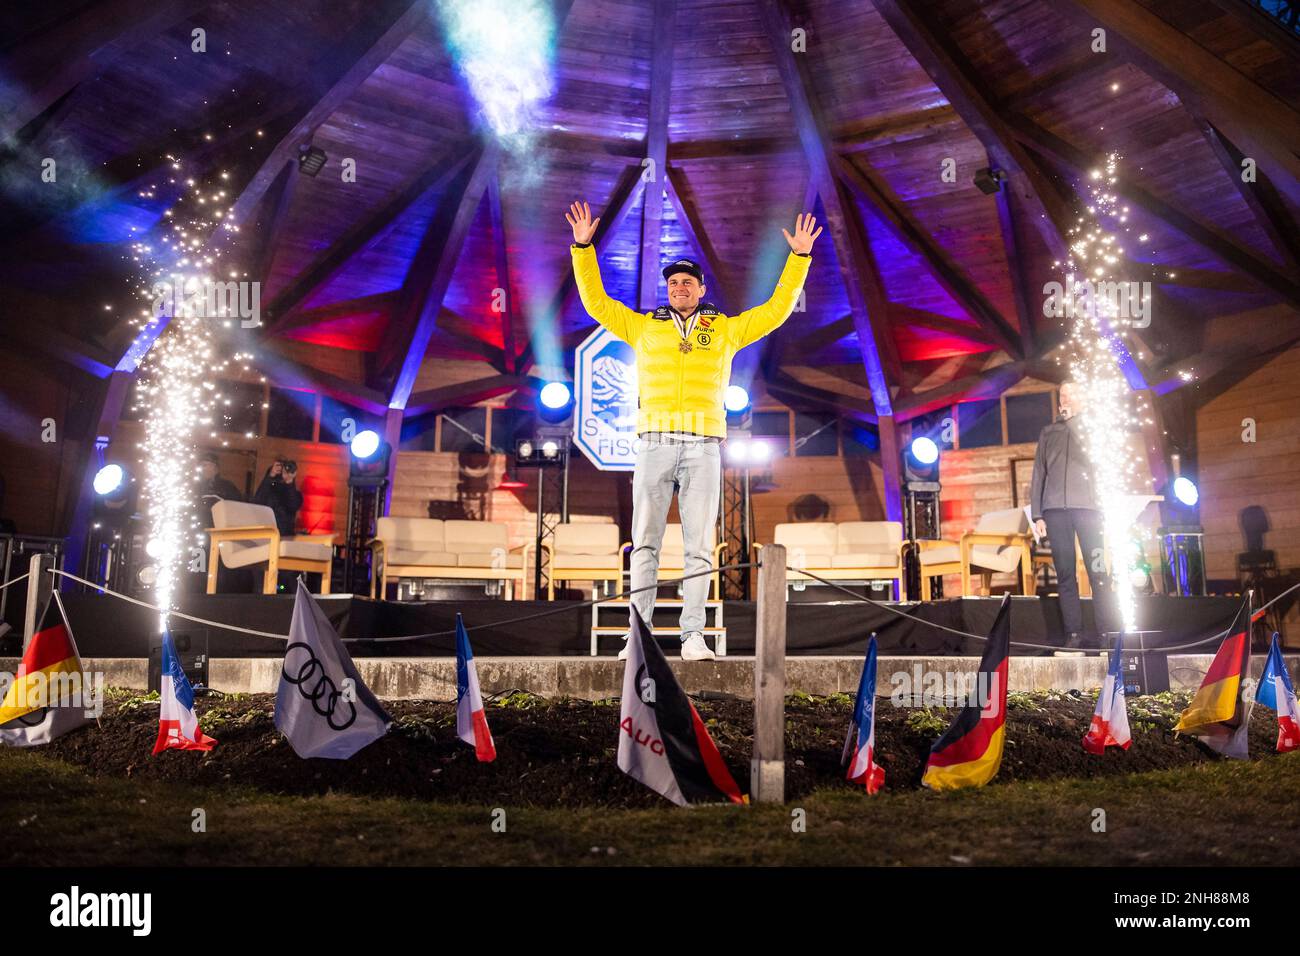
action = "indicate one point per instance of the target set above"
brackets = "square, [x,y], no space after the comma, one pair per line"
[471,721]
[1109,727]
[1276,691]
[178,726]
[861,740]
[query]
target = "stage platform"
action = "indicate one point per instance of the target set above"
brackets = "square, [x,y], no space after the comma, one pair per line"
[106,627]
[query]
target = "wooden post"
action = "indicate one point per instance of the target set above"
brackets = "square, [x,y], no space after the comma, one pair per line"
[39,586]
[767,767]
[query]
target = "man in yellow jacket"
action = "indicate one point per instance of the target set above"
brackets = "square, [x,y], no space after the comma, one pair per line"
[683,361]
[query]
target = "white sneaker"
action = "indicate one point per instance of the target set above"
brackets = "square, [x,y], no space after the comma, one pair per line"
[694,649]
[627,647]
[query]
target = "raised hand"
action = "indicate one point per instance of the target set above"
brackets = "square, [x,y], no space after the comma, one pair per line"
[579,216]
[802,240]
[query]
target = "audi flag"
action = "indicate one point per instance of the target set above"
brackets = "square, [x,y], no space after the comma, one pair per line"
[322,705]
[661,740]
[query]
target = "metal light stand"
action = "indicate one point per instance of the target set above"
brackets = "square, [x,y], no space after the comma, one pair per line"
[365,496]
[552,498]
[736,520]
[920,522]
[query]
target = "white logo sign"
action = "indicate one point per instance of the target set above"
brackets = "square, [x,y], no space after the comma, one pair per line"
[604,419]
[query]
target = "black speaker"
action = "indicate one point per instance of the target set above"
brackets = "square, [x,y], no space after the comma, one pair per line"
[191,648]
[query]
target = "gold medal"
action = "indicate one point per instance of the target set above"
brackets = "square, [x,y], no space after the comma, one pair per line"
[683,346]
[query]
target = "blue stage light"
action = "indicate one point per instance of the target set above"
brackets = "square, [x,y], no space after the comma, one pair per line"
[555,395]
[1185,491]
[735,398]
[108,479]
[925,450]
[364,444]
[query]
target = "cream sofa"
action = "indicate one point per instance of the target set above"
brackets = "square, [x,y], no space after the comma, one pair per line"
[451,549]
[582,551]
[1000,543]
[844,551]
[245,535]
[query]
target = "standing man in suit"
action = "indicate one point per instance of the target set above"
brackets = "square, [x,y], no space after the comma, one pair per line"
[683,358]
[1064,507]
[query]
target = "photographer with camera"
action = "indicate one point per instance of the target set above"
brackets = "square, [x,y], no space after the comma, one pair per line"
[280,493]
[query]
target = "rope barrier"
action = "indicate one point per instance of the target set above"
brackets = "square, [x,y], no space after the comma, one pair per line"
[414,637]
[617,597]
[22,577]
[1048,647]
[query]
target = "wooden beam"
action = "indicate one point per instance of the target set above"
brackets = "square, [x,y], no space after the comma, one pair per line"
[794,393]
[1014,251]
[987,384]
[283,371]
[1266,127]
[811,342]
[908,315]
[381,302]
[337,87]
[1069,74]
[1206,236]
[407,337]
[503,275]
[271,226]
[861,136]
[462,393]
[621,200]
[1260,196]
[688,219]
[432,181]
[652,210]
[876,193]
[866,297]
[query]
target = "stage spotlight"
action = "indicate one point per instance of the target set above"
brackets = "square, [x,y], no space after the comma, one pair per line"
[109,479]
[1185,491]
[925,450]
[550,449]
[555,395]
[759,452]
[555,403]
[735,399]
[525,449]
[311,159]
[365,444]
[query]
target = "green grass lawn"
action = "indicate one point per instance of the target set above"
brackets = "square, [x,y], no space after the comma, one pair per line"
[1210,814]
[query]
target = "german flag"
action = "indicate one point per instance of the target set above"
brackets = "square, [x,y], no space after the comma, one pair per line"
[50,653]
[1218,710]
[969,754]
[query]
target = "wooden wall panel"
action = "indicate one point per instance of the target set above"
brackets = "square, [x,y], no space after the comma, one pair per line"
[36,472]
[1235,474]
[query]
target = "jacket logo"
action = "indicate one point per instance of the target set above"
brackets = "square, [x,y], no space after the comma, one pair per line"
[704,339]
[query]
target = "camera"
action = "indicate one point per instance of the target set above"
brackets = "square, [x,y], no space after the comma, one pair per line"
[289,466]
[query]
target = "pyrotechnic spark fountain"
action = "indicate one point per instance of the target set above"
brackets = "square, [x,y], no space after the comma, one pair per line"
[504,48]
[176,393]
[1103,310]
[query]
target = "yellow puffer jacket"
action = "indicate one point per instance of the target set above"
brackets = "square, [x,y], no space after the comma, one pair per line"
[682,391]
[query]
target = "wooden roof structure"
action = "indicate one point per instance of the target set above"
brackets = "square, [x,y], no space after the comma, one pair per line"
[923,291]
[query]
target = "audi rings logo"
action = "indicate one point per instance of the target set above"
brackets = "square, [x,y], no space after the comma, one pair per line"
[315,685]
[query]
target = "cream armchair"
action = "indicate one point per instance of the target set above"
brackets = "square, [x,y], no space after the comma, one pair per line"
[582,551]
[1000,543]
[245,535]
[452,550]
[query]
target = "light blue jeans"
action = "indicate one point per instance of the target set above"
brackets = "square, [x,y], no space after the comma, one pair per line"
[694,471]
